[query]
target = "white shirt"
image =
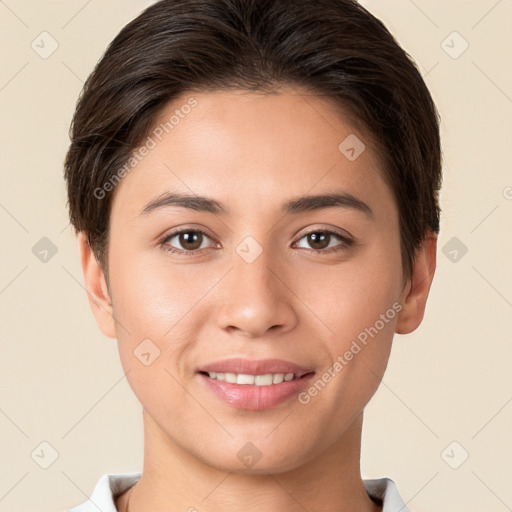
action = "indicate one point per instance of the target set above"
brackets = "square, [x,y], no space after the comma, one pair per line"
[383,490]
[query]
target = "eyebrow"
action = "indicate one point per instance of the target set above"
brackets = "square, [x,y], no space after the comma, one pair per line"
[293,206]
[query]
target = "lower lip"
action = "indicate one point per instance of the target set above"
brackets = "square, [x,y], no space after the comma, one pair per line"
[256,398]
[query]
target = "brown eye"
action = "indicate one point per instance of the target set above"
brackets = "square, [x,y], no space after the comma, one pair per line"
[190,240]
[319,240]
[325,241]
[187,240]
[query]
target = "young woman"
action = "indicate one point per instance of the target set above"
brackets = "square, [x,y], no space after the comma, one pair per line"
[254,185]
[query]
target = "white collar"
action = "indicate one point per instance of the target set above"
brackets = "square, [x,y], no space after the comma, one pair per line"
[110,486]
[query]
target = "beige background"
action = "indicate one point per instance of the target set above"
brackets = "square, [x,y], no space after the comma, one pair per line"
[61,380]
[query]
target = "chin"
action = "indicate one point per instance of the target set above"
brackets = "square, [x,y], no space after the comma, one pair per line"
[250,461]
[260,468]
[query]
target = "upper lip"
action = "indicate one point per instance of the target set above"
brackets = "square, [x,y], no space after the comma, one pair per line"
[254,367]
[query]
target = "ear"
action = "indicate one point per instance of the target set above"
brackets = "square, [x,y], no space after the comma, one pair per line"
[418,286]
[96,287]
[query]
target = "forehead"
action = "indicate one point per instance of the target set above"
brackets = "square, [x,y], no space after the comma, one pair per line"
[235,144]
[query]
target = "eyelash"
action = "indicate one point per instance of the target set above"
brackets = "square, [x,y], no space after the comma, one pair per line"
[345,241]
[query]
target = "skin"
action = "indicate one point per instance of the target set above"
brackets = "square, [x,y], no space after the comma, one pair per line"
[253,152]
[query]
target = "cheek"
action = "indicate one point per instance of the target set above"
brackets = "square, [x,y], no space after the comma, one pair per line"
[359,311]
[154,307]
[352,296]
[357,303]
[150,297]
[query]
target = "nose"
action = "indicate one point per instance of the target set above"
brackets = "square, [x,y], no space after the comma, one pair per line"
[257,297]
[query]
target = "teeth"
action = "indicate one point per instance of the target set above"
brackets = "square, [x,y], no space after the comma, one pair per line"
[245,379]
[278,378]
[263,380]
[256,380]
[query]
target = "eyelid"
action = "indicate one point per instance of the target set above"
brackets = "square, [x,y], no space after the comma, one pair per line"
[346,239]
[185,229]
[342,233]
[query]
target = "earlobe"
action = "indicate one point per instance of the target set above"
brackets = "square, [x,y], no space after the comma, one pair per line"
[415,300]
[97,290]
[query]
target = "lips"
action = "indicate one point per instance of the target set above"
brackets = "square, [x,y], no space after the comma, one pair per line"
[247,393]
[255,367]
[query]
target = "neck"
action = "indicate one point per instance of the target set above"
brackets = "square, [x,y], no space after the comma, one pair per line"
[173,479]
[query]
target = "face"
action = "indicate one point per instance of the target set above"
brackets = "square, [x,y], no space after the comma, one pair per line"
[253,276]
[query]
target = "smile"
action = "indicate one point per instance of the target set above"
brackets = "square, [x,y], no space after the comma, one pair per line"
[266,379]
[254,384]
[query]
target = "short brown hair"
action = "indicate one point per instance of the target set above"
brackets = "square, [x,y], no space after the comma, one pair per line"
[334,48]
